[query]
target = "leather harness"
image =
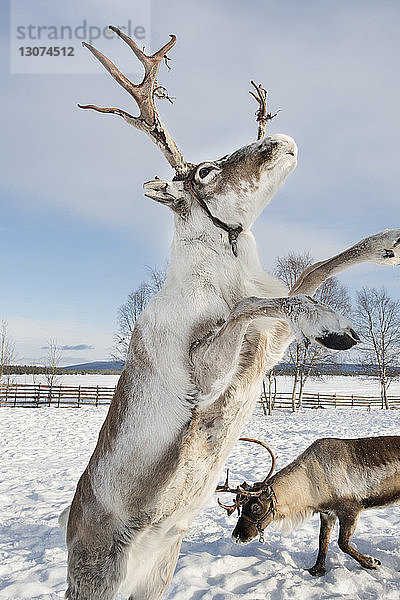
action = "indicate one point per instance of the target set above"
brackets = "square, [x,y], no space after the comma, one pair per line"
[232,231]
[260,523]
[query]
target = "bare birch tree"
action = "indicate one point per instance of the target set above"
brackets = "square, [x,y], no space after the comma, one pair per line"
[131,309]
[52,362]
[7,351]
[308,360]
[377,317]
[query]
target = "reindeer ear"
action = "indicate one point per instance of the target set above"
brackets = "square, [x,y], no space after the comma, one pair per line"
[170,193]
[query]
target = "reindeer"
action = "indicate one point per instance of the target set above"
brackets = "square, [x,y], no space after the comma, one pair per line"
[197,355]
[336,478]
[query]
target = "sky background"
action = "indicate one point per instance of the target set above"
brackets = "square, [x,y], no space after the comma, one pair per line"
[76,232]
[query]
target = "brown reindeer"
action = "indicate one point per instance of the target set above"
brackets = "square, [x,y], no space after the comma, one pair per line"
[337,478]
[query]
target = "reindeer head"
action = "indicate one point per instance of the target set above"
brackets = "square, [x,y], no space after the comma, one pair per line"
[231,191]
[255,504]
[256,515]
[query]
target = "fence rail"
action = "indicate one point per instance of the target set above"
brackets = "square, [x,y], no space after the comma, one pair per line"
[319,400]
[35,395]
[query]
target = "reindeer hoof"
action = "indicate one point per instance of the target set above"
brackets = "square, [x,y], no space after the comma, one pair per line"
[317,571]
[337,341]
[368,562]
[371,563]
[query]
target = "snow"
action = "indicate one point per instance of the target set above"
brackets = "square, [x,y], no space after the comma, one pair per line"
[45,450]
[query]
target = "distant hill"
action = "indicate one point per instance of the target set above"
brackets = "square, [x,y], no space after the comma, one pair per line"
[284,368]
[115,367]
[334,369]
[107,367]
[100,365]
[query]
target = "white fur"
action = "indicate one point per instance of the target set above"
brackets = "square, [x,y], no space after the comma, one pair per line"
[63,518]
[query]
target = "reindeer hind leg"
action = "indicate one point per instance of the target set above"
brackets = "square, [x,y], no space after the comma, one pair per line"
[96,564]
[348,523]
[153,583]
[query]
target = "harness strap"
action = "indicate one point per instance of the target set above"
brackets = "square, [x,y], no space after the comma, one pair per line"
[260,522]
[233,232]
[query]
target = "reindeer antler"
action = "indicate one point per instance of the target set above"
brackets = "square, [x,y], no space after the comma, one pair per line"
[243,494]
[262,115]
[143,93]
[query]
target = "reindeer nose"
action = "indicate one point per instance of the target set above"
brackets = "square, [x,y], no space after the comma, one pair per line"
[282,140]
[287,141]
[238,540]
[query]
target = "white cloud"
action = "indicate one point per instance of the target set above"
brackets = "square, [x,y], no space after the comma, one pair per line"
[32,335]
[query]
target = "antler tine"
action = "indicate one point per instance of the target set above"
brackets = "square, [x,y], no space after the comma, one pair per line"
[116,74]
[143,93]
[262,115]
[225,487]
[267,478]
[147,61]
[242,493]
[230,508]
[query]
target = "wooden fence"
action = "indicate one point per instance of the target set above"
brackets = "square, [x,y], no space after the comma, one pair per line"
[35,395]
[318,400]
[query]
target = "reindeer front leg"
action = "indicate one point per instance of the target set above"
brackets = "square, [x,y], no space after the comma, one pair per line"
[215,358]
[382,249]
[327,523]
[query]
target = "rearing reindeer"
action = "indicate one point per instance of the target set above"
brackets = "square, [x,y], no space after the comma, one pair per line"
[196,359]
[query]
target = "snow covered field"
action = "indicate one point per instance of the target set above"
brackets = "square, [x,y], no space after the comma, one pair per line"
[45,450]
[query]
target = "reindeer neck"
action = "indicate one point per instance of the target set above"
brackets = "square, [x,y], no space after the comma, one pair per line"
[204,260]
[293,494]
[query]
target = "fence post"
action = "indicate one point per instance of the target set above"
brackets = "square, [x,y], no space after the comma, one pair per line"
[15,397]
[79,396]
[97,396]
[59,396]
[263,398]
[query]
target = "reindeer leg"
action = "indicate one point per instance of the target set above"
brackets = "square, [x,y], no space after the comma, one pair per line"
[327,523]
[348,523]
[382,249]
[152,584]
[216,357]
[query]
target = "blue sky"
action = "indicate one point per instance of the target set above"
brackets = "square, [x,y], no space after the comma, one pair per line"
[77,234]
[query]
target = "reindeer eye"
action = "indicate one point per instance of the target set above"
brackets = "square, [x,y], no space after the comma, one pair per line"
[255,508]
[204,172]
